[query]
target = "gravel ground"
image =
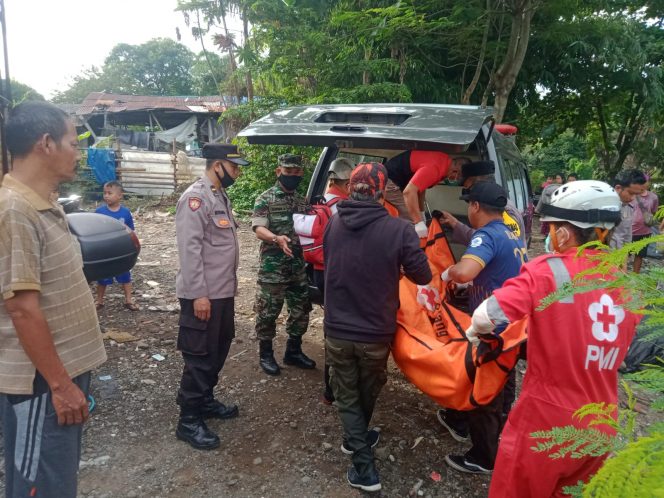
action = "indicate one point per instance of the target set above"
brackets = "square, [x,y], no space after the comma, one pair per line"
[285,441]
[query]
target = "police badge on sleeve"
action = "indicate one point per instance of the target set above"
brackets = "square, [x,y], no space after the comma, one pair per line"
[194,203]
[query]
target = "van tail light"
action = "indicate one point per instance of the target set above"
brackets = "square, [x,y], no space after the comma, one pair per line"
[507,129]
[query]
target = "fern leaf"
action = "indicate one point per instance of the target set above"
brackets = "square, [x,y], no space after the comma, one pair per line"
[634,471]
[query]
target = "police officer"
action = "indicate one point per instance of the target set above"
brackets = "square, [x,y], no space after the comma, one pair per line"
[206,285]
[281,274]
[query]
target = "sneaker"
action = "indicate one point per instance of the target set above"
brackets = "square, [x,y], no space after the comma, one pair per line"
[373,435]
[463,464]
[457,433]
[369,483]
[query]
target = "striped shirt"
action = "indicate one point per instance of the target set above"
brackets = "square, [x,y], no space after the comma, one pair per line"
[38,253]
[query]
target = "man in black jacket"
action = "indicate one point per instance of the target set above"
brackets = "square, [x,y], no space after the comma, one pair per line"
[365,248]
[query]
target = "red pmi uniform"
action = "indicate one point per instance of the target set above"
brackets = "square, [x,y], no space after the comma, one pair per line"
[575,347]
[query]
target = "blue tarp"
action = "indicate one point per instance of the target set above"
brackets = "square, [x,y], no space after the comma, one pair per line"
[102,163]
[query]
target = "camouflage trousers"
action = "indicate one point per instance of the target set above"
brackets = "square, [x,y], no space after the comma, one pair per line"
[269,301]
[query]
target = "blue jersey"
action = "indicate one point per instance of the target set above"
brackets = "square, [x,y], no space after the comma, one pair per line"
[500,252]
[123,214]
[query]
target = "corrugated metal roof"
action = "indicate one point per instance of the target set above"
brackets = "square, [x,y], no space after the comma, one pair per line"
[99,102]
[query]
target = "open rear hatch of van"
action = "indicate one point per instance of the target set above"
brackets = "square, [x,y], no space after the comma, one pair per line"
[450,128]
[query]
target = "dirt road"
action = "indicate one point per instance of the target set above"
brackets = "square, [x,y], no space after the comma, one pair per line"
[285,441]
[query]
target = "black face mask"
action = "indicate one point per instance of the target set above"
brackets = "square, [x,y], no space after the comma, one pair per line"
[290,182]
[227,180]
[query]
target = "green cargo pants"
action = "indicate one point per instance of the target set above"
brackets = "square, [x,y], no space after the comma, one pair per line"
[269,302]
[358,371]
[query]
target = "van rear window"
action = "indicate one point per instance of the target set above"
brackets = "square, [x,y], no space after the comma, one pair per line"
[362,117]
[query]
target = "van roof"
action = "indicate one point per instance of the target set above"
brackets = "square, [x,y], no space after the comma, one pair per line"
[391,126]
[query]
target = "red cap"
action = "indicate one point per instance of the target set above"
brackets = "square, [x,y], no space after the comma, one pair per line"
[368,178]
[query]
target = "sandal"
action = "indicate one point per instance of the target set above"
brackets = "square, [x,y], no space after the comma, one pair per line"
[131,306]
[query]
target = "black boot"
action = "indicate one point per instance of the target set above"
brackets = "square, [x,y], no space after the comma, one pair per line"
[192,429]
[267,361]
[294,355]
[215,409]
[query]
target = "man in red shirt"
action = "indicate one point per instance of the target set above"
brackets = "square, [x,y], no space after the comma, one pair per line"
[410,174]
[575,345]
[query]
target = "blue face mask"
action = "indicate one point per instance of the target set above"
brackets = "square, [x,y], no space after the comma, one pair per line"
[547,245]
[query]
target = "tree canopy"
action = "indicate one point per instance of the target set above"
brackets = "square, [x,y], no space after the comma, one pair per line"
[158,67]
[586,70]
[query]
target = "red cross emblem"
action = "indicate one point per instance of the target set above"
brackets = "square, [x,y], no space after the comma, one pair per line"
[606,317]
[428,297]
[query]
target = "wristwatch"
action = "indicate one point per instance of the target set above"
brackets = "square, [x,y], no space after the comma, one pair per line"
[274,239]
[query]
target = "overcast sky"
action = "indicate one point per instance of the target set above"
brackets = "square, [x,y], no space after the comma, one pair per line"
[50,41]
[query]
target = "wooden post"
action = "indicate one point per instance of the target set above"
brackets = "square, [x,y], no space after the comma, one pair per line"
[118,160]
[174,162]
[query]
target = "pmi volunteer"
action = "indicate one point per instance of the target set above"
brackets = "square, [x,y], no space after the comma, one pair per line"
[575,345]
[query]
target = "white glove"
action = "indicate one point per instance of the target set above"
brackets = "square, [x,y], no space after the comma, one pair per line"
[421,229]
[473,336]
[445,276]
[481,324]
[428,297]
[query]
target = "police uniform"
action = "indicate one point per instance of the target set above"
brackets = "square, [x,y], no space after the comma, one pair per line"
[281,277]
[209,256]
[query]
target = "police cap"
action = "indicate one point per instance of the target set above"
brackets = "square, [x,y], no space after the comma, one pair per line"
[228,152]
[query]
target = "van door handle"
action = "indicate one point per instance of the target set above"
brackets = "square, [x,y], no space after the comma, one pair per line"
[353,129]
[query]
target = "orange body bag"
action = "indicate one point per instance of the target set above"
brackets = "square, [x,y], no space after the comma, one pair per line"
[431,348]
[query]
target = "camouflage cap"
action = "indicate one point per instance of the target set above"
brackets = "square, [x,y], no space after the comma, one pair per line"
[368,178]
[290,161]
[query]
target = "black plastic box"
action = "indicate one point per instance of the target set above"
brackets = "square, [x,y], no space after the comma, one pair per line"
[109,247]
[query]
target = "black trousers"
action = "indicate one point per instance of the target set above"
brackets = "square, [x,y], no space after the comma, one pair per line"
[509,393]
[484,425]
[319,281]
[204,347]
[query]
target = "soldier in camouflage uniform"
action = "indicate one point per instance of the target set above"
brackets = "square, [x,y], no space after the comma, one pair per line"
[281,275]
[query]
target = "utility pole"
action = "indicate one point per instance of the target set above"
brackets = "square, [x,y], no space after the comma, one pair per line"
[6,92]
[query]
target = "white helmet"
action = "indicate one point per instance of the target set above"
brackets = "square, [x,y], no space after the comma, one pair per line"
[584,203]
[340,169]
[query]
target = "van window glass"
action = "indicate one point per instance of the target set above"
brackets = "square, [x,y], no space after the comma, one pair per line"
[518,183]
[521,179]
[508,180]
[361,158]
